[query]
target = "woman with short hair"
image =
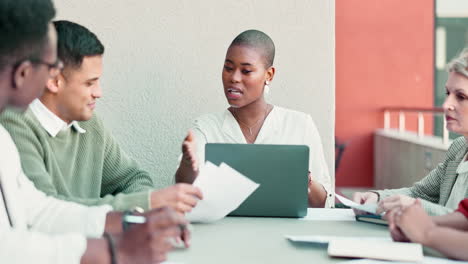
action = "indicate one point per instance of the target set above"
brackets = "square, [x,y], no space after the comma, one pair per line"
[247,74]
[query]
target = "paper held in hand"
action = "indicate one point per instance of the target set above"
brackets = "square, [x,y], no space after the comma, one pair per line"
[370,208]
[223,188]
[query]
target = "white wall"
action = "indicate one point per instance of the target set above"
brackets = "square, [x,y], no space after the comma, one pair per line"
[452,8]
[163,64]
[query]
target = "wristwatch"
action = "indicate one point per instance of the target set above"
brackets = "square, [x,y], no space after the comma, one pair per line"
[134,211]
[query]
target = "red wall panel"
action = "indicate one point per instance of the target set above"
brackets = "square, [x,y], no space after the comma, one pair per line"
[384,57]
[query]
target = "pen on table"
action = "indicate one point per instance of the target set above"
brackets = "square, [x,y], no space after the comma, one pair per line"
[140,219]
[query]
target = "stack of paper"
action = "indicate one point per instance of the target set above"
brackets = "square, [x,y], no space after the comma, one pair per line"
[329,214]
[318,239]
[223,188]
[381,248]
[358,248]
[426,260]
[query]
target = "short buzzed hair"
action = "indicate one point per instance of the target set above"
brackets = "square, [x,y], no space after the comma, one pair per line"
[23,29]
[74,42]
[259,40]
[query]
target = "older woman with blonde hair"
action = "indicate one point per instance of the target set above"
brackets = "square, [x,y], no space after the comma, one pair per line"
[447,233]
[445,186]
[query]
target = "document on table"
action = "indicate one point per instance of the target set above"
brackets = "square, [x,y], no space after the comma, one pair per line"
[381,248]
[317,239]
[426,260]
[358,248]
[329,214]
[223,189]
[370,208]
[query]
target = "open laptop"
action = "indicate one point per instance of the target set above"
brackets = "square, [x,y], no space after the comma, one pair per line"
[281,171]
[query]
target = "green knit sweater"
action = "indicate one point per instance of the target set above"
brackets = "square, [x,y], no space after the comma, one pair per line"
[87,168]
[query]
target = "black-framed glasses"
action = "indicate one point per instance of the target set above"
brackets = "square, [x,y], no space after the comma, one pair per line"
[54,68]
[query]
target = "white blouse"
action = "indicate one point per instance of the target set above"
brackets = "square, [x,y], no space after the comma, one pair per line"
[281,126]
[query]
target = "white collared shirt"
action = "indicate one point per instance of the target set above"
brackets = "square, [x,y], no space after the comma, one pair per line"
[50,121]
[44,229]
[281,126]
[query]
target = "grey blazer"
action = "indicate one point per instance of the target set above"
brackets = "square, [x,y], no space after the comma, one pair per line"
[435,188]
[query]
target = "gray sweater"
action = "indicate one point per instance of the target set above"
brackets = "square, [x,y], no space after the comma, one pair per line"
[435,188]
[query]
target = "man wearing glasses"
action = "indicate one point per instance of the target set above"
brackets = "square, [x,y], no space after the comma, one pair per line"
[54,68]
[66,150]
[35,228]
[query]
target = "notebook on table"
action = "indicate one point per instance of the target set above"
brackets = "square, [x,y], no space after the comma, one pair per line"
[372,218]
[281,171]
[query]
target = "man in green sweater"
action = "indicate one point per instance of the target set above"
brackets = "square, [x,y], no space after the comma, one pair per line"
[65,149]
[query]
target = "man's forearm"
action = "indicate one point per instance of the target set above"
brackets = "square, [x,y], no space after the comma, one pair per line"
[113,223]
[97,251]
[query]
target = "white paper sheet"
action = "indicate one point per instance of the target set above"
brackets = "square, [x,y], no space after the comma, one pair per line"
[329,214]
[370,208]
[358,248]
[223,188]
[426,260]
[326,239]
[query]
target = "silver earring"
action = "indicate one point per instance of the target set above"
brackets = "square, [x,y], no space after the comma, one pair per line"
[266,88]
